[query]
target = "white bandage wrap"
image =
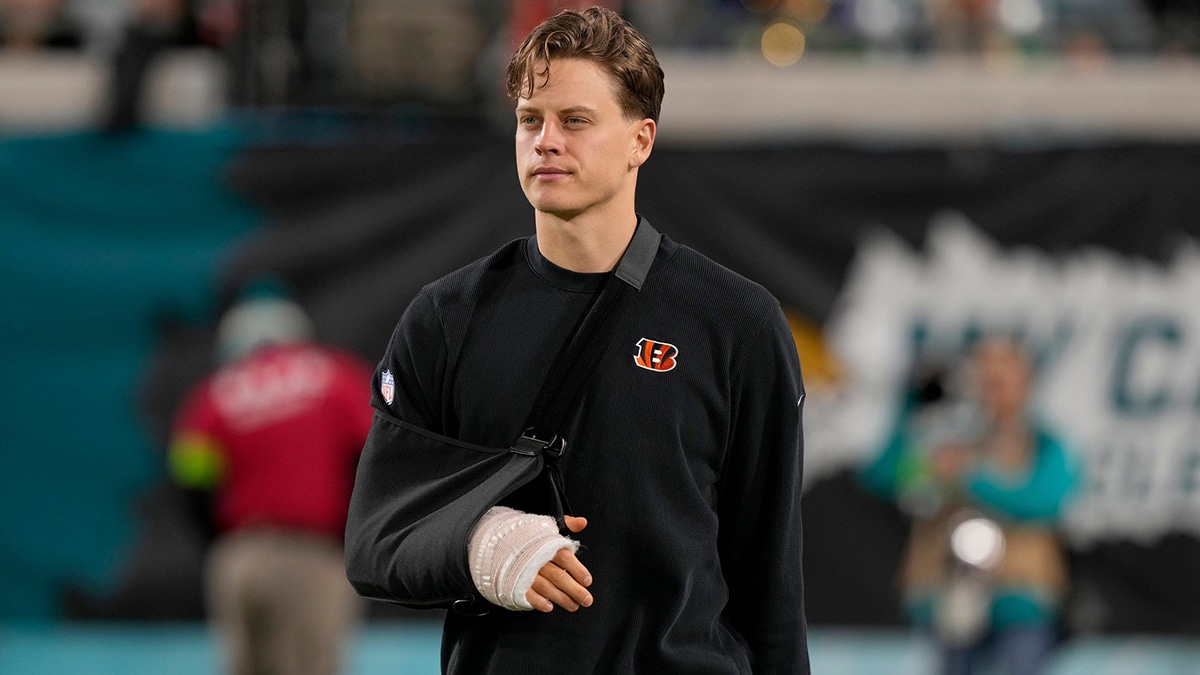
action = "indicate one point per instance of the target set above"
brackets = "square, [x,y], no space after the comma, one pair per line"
[506,550]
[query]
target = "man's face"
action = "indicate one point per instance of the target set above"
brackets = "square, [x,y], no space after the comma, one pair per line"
[576,150]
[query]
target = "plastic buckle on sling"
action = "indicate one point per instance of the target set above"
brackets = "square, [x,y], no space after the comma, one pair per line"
[531,445]
[556,447]
[528,445]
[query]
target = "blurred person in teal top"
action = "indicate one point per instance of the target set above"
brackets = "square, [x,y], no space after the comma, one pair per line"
[985,482]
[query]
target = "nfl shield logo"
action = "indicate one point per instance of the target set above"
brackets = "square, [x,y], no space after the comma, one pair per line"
[387,386]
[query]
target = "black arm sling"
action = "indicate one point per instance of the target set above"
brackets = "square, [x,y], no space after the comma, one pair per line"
[417,494]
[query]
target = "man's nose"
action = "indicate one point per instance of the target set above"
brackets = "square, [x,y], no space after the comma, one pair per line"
[549,140]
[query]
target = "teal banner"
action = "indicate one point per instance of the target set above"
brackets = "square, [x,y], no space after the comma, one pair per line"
[102,238]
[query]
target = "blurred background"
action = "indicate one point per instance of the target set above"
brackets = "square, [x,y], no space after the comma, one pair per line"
[904,175]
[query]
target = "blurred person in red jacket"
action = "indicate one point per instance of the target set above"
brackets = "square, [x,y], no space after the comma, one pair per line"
[272,438]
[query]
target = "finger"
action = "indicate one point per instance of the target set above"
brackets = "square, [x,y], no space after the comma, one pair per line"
[565,583]
[539,601]
[553,593]
[569,562]
[575,523]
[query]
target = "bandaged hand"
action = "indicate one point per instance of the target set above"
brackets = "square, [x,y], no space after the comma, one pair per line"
[519,561]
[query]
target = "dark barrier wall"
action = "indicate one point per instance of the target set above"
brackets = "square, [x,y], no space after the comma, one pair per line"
[357,230]
[370,219]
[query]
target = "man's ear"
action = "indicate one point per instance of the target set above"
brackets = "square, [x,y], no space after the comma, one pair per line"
[643,142]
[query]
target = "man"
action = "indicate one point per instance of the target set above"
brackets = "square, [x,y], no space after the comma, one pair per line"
[683,465]
[270,442]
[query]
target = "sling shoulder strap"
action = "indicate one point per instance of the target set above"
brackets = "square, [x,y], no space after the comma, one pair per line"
[568,376]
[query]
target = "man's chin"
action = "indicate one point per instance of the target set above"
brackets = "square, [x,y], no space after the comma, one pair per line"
[557,209]
[561,214]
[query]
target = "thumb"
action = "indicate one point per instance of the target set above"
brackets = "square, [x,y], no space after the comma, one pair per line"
[575,524]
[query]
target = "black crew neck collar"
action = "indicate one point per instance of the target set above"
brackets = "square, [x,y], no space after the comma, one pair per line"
[560,277]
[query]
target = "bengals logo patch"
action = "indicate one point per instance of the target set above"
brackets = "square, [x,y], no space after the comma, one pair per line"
[656,356]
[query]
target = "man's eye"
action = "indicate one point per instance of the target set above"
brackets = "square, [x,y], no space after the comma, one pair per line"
[528,120]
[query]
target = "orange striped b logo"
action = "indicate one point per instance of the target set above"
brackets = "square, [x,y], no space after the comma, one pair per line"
[654,355]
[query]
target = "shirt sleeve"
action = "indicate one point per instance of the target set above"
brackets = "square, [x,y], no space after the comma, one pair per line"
[196,456]
[759,502]
[413,366]
[1038,495]
[406,386]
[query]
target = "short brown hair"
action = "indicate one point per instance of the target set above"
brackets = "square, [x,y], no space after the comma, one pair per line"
[599,35]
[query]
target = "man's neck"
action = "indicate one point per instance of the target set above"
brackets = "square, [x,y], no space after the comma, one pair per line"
[586,243]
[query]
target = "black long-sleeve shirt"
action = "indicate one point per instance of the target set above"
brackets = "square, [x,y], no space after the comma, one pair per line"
[686,459]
